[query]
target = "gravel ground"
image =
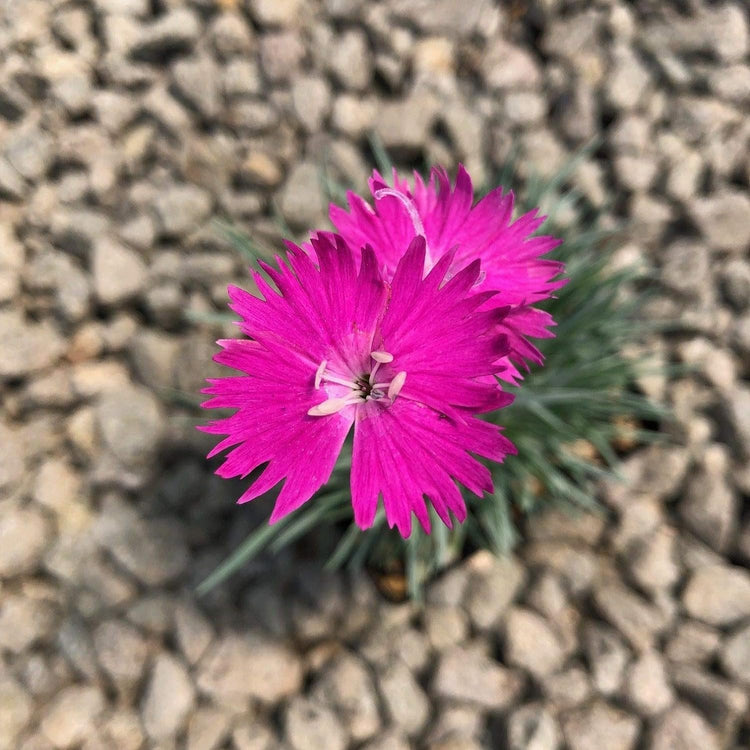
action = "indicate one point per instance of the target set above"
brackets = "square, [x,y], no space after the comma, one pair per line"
[125,126]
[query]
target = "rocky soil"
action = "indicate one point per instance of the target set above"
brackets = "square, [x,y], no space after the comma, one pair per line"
[125,127]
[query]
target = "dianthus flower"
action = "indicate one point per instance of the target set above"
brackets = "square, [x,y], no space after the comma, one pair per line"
[407,361]
[449,220]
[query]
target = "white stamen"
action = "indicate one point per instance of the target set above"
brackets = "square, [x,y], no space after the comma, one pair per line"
[341,381]
[319,373]
[396,385]
[382,356]
[332,405]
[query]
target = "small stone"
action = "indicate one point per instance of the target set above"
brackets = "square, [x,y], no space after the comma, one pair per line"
[636,172]
[153,551]
[182,209]
[736,406]
[390,740]
[173,33]
[12,185]
[72,716]
[241,78]
[15,709]
[445,626]
[76,645]
[450,588]
[11,458]
[685,267]
[119,273]
[123,730]
[434,56]
[281,55]
[113,109]
[222,673]
[735,280]
[350,60]
[647,686]
[524,107]
[567,689]
[607,656]
[275,12]
[722,218]
[311,99]
[197,80]
[24,536]
[26,620]
[681,728]
[153,613]
[153,355]
[232,35]
[628,79]
[531,644]
[718,594]
[169,698]
[122,653]
[455,723]
[735,655]
[193,631]
[684,176]
[558,524]
[405,701]
[29,151]
[600,725]
[467,675]
[208,729]
[261,169]
[664,470]
[722,703]
[301,200]
[635,618]
[651,215]
[493,585]
[726,31]
[532,727]
[310,726]
[506,66]
[346,687]
[693,643]
[252,734]
[709,509]
[731,83]
[443,16]
[98,377]
[26,347]
[130,422]
[405,124]
[353,115]
[575,564]
[652,560]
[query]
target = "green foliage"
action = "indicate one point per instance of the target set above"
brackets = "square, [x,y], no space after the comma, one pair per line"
[567,419]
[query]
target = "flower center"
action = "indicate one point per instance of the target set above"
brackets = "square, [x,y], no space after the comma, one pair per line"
[365,387]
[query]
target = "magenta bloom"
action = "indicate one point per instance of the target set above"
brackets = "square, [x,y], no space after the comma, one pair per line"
[511,257]
[407,361]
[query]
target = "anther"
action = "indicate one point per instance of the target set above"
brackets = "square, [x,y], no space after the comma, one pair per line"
[319,373]
[396,385]
[382,357]
[332,405]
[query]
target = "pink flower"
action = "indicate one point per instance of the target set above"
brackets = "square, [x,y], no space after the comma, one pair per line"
[511,257]
[405,361]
